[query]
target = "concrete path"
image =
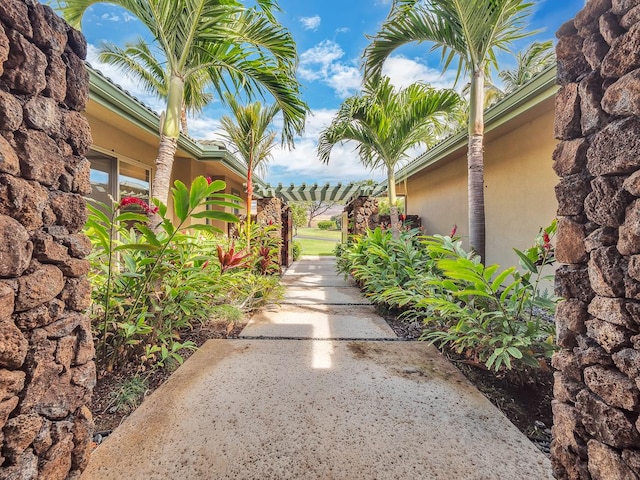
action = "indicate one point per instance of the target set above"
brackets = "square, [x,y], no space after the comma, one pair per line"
[317,389]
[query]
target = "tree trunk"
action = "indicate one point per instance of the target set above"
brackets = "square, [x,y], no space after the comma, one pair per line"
[164,166]
[393,208]
[249,200]
[475,158]
[169,133]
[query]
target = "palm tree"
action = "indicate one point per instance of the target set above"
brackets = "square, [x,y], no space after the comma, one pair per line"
[138,60]
[235,47]
[248,132]
[531,61]
[386,124]
[471,31]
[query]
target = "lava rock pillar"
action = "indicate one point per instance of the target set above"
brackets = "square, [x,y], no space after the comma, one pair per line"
[47,369]
[597,397]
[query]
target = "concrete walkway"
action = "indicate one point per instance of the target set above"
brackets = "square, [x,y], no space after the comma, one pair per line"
[316,388]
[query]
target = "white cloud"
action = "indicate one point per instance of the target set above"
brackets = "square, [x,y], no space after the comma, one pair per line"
[110,17]
[324,63]
[310,23]
[203,128]
[343,30]
[404,71]
[126,82]
[302,163]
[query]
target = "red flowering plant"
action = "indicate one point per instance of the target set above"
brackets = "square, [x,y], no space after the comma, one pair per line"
[147,282]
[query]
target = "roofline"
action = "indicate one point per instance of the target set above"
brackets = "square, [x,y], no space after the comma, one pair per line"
[112,97]
[539,89]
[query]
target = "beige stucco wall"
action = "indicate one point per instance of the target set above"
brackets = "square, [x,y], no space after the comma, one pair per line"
[519,188]
[112,134]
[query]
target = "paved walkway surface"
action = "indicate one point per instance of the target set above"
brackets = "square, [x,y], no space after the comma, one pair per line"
[317,388]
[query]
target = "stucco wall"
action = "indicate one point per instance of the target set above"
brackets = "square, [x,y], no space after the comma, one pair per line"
[519,188]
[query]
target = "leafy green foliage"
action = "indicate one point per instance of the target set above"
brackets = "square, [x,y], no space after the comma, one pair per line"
[490,315]
[297,250]
[129,395]
[149,287]
[327,225]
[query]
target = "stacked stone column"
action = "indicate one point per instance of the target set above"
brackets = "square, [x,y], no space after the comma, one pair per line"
[47,372]
[270,213]
[597,396]
[363,214]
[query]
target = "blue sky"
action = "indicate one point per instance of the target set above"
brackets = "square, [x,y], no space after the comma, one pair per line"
[330,35]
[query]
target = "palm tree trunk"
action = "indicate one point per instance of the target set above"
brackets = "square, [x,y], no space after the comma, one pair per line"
[393,208]
[169,133]
[249,200]
[475,159]
[164,167]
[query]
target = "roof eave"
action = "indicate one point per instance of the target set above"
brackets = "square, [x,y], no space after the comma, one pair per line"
[110,96]
[536,91]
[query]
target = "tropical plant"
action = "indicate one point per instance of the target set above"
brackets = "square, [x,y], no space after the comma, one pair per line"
[248,131]
[531,61]
[496,317]
[386,123]
[232,46]
[148,285]
[471,31]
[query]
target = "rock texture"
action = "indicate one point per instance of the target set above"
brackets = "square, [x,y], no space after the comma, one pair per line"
[47,372]
[597,382]
[363,214]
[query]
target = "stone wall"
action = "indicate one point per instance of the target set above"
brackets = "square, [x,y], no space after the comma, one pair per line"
[363,214]
[597,396]
[270,213]
[47,371]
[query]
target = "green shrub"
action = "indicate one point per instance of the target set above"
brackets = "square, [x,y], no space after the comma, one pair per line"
[150,285]
[297,250]
[327,225]
[488,314]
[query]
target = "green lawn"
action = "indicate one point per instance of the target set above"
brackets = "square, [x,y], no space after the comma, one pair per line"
[315,246]
[316,232]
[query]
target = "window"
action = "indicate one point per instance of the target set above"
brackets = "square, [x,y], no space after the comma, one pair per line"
[113,178]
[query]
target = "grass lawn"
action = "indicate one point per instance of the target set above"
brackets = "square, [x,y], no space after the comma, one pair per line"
[316,232]
[317,246]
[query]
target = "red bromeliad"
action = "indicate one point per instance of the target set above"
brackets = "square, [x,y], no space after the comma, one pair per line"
[232,259]
[137,201]
[546,241]
[453,231]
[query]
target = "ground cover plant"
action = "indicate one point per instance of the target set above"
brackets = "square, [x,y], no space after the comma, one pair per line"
[151,287]
[491,315]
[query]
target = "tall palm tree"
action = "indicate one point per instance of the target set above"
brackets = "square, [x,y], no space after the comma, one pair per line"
[248,131]
[237,48]
[138,60]
[386,124]
[531,61]
[471,31]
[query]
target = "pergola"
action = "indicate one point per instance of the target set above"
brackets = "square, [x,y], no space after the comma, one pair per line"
[315,192]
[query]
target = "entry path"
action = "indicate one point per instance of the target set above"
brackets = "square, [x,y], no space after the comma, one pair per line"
[317,387]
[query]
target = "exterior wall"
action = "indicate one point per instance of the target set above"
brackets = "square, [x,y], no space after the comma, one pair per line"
[519,188]
[114,136]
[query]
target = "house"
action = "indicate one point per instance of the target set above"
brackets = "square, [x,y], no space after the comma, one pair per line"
[519,179]
[125,144]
